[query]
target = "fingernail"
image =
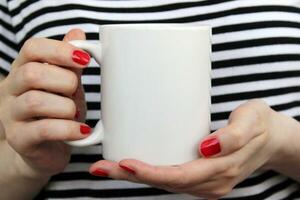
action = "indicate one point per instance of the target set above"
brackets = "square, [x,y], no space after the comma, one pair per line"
[77,114]
[210,147]
[128,169]
[84,129]
[81,57]
[99,172]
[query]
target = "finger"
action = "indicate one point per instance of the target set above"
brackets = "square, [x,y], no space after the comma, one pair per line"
[212,187]
[245,123]
[246,159]
[39,131]
[78,95]
[36,103]
[75,34]
[53,52]
[172,176]
[110,169]
[34,75]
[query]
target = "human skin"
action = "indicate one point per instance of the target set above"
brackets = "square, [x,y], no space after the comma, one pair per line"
[41,106]
[38,104]
[256,137]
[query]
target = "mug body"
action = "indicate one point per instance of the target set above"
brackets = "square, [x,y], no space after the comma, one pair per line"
[155,91]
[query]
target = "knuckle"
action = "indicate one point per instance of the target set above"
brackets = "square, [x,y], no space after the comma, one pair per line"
[254,108]
[256,112]
[44,130]
[28,49]
[259,108]
[232,172]
[70,108]
[33,100]
[31,73]
[73,82]
[257,102]
[237,137]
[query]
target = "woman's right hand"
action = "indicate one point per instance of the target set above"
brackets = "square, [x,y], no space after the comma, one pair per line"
[38,105]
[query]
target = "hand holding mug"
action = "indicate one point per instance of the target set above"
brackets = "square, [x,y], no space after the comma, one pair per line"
[38,103]
[252,139]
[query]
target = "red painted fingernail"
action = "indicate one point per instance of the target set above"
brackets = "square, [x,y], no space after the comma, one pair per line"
[84,129]
[99,172]
[77,114]
[128,169]
[81,57]
[210,147]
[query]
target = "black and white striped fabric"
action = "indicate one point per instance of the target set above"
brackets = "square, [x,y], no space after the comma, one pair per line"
[256,54]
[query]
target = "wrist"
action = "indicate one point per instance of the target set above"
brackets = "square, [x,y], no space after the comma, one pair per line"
[15,176]
[283,132]
[17,168]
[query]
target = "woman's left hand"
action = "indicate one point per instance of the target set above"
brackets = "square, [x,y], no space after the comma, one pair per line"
[232,153]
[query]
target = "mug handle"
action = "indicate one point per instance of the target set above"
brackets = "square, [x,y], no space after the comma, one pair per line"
[94,48]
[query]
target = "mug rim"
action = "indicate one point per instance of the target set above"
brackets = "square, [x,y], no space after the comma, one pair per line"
[156,26]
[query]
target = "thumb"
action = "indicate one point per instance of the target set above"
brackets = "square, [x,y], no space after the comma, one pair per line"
[78,96]
[245,123]
[75,34]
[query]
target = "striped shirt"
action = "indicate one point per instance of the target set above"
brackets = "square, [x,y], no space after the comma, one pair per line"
[256,54]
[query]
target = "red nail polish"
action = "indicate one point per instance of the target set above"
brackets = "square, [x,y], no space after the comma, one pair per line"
[81,57]
[210,147]
[84,129]
[127,169]
[77,114]
[99,172]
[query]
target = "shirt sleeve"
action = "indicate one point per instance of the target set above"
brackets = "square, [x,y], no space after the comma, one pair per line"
[8,44]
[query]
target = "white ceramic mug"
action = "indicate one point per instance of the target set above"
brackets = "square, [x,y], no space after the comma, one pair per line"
[155,91]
